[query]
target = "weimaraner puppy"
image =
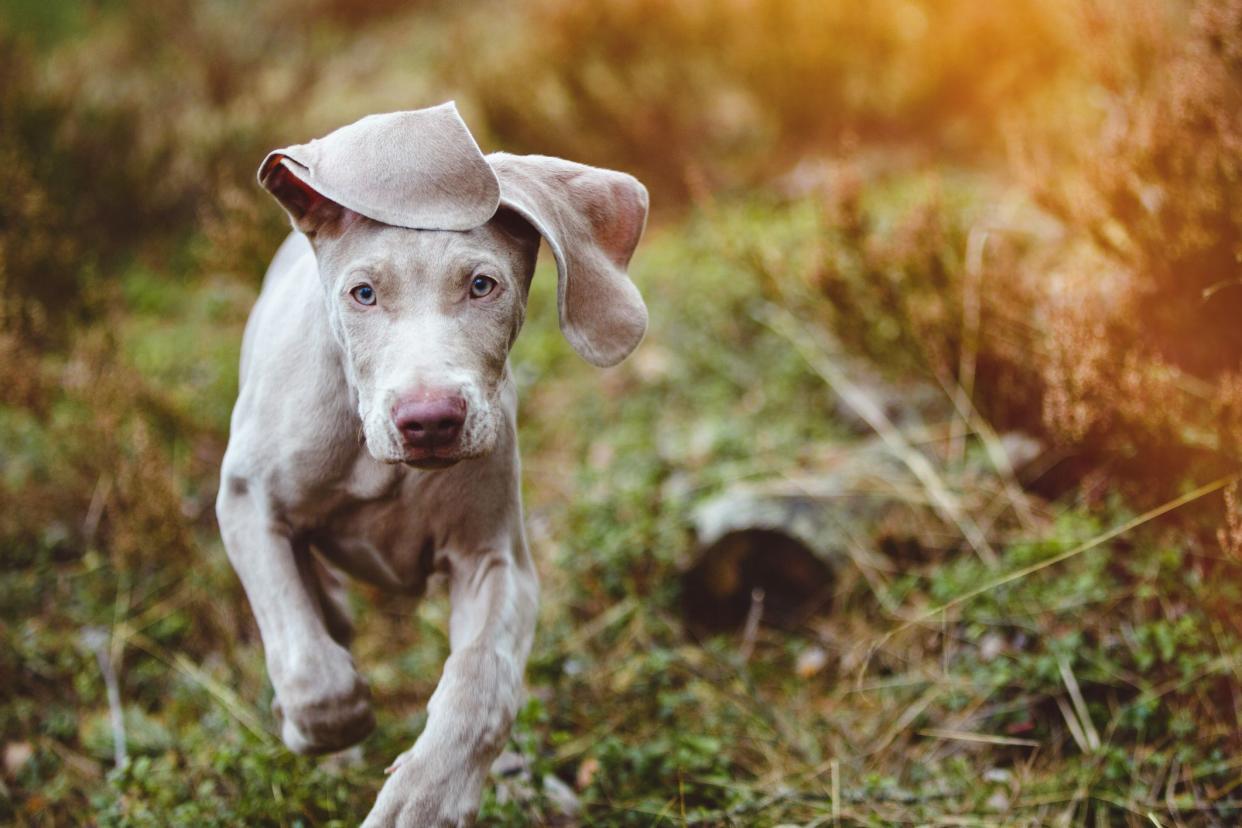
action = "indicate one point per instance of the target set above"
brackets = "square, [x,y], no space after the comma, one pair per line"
[375,428]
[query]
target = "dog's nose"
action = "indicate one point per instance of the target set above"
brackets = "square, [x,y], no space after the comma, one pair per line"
[430,420]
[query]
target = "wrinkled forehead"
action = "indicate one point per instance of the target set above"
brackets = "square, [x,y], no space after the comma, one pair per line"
[381,246]
[403,247]
[371,245]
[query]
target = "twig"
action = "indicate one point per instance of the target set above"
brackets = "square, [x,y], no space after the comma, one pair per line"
[94,512]
[968,356]
[577,642]
[1072,723]
[981,738]
[997,455]
[753,616]
[97,641]
[84,766]
[907,718]
[226,697]
[836,792]
[1091,735]
[1025,571]
[786,325]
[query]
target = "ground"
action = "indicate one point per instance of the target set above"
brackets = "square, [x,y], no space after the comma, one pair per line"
[1052,644]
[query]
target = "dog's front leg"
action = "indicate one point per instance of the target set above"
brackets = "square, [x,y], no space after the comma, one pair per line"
[322,702]
[439,781]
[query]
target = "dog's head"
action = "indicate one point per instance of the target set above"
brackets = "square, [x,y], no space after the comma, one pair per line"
[426,249]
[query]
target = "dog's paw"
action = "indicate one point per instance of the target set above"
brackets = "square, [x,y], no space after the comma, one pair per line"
[322,704]
[414,796]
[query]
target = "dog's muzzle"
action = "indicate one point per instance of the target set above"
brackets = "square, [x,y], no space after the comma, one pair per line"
[430,424]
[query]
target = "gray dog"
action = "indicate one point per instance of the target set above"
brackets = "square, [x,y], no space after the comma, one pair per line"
[375,427]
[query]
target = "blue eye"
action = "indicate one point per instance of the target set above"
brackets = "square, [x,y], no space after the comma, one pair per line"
[363,295]
[480,286]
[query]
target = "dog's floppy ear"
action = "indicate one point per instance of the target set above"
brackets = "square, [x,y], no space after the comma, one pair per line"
[592,219]
[308,208]
[419,169]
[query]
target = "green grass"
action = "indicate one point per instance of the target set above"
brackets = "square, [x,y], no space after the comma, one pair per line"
[654,727]
[1086,677]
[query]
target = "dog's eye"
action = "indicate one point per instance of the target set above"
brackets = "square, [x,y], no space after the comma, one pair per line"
[480,286]
[363,295]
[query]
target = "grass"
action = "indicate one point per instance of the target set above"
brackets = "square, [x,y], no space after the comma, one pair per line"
[1099,681]
[947,227]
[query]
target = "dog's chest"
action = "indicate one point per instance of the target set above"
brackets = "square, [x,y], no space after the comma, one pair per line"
[377,528]
[386,543]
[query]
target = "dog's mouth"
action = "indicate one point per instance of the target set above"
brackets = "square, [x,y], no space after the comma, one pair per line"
[429,461]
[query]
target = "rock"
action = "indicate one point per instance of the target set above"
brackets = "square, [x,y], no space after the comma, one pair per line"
[586,773]
[810,662]
[514,783]
[16,755]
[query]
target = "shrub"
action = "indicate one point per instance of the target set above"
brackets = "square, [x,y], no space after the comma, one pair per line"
[77,195]
[1141,303]
[695,95]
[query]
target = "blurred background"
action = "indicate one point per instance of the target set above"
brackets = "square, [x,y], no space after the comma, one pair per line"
[914,507]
